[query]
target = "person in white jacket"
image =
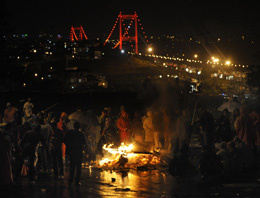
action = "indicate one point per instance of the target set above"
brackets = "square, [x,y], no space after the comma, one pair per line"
[149,132]
[27,108]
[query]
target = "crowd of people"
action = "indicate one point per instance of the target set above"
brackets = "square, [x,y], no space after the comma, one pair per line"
[44,142]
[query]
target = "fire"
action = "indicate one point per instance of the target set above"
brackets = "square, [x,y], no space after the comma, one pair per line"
[122,150]
[124,156]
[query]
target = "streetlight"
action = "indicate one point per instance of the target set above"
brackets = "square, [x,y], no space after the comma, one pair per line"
[195,55]
[150,49]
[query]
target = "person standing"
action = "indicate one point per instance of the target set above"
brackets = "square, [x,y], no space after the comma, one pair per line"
[223,127]
[166,130]
[44,150]
[137,129]
[75,141]
[106,132]
[244,128]
[123,125]
[206,125]
[148,129]
[62,125]
[184,129]
[27,108]
[28,144]
[56,150]
[9,113]
[158,126]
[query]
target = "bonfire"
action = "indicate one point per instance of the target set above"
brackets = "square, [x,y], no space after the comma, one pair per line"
[125,157]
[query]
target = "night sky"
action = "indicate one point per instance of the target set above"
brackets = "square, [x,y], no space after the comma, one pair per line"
[184,17]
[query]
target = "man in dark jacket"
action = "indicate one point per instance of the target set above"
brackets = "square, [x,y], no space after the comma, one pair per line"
[206,124]
[56,151]
[28,144]
[74,141]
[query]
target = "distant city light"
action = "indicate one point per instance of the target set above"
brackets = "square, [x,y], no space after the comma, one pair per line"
[196,56]
[228,62]
[150,49]
[122,51]
[215,60]
[35,74]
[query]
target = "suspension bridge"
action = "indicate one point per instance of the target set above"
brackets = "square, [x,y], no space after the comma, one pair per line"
[129,29]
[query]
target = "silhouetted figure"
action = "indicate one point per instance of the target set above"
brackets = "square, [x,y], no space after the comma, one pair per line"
[206,124]
[75,141]
[184,129]
[137,129]
[244,128]
[223,127]
[210,164]
[56,150]
[28,144]
[180,165]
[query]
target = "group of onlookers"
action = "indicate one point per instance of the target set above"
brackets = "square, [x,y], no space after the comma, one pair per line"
[45,141]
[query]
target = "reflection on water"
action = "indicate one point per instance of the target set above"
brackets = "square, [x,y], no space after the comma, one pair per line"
[134,183]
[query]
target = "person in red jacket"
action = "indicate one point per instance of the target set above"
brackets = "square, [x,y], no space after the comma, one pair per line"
[244,128]
[62,125]
[123,125]
[9,113]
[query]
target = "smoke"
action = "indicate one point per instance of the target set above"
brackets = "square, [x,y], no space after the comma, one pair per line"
[158,94]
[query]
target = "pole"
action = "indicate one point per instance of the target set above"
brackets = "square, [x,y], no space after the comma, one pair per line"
[50,107]
[194,112]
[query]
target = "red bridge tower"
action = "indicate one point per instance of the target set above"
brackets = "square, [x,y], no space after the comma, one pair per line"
[80,36]
[126,38]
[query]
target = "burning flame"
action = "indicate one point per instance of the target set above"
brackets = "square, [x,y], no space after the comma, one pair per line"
[116,153]
[122,150]
[126,151]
